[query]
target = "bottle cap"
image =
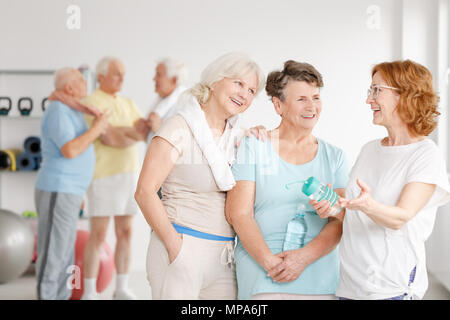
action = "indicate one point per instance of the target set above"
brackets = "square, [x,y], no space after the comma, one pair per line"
[310,186]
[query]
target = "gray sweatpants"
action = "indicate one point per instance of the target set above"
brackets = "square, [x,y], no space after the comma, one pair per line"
[57,228]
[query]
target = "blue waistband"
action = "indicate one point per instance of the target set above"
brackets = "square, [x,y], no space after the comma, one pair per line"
[199,234]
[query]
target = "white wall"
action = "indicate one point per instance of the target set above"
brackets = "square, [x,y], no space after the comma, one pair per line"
[334,36]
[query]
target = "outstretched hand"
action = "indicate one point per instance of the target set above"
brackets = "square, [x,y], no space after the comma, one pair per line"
[363,202]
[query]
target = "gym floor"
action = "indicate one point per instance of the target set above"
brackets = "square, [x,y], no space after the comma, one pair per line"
[24,288]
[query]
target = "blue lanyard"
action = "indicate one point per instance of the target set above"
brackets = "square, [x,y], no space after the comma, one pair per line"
[199,234]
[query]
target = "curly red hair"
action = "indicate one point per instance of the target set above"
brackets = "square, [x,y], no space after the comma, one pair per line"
[418,102]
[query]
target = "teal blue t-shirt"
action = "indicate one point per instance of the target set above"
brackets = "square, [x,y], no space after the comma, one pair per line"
[275,206]
[61,124]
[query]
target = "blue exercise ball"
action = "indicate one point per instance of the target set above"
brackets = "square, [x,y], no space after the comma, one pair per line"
[16,245]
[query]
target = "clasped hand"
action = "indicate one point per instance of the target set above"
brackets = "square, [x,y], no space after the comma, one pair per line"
[287,266]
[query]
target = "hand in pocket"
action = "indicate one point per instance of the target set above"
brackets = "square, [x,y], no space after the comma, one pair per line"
[173,253]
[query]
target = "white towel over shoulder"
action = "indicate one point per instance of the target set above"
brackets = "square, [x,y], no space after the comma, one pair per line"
[221,155]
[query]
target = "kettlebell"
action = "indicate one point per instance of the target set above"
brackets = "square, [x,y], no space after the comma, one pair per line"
[25,110]
[44,104]
[5,110]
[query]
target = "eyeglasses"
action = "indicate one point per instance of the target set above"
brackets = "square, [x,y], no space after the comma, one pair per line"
[376,89]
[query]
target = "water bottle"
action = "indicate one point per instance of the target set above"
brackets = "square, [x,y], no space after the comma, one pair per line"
[296,230]
[318,191]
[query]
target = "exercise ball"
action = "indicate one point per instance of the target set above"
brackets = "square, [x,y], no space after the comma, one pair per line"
[106,269]
[16,245]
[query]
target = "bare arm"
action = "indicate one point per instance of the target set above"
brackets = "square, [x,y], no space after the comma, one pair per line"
[158,163]
[413,198]
[240,214]
[138,132]
[77,146]
[122,137]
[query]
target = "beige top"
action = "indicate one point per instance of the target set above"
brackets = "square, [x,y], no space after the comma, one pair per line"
[190,194]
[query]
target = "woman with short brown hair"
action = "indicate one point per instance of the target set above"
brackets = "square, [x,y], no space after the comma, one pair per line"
[396,184]
[260,206]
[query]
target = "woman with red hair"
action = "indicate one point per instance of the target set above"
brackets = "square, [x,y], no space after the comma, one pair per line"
[395,187]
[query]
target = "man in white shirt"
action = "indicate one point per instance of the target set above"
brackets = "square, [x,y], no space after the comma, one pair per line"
[169,77]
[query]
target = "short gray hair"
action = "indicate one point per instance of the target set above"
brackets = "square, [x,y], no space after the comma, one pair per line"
[292,71]
[230,65]
[175,68]
[103,65]
[62,77]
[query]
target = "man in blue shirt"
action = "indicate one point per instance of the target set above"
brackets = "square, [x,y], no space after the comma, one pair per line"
[65,174]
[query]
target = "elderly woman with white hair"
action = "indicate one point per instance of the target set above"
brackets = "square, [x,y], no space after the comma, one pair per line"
[191,248]
[65,174]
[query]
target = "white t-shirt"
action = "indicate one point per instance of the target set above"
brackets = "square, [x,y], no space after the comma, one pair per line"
[376,261]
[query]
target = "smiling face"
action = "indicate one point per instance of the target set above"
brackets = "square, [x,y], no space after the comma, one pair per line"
[234,95]
[302,104]
[384,105]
